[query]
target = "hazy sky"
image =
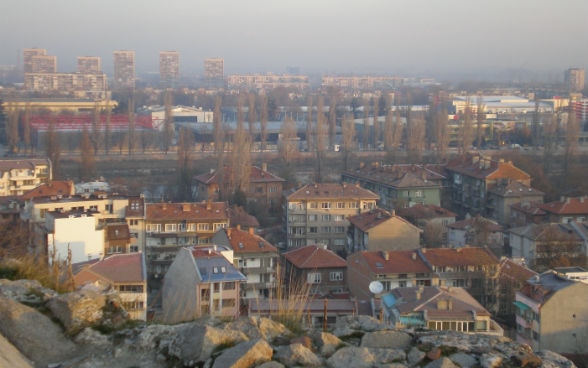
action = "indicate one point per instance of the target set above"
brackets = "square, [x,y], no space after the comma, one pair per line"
[384,36]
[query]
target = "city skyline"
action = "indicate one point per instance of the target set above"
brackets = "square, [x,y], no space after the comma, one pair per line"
[375,36]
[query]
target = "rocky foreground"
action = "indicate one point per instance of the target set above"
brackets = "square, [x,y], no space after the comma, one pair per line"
[87,328]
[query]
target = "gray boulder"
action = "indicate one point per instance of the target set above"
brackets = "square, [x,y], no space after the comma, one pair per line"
[443,362]
[352,356]
[390,339]
[245,355]
[297,355]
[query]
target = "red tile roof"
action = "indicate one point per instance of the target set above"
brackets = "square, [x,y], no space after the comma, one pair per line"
[459,256]
[118,268]
[401,175]
[238,216]
[51,189]
[400,261]
[314,257]
[478,222]
[509,270]
[425,211]
[530,208]
[244,242]
[117,232]
[186,211]
[332,191]
[515,189]
[135,207]
[567,206]
[9,164]
[487,168]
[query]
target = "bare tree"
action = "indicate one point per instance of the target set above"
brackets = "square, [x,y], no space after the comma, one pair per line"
[53,147]
[251,116]
[415,135]
[321,138]
[398,129]
[332,118]
[185,164]
[309,125]
[88,159]
[107,127]
[441,122]
[377,127]
[168,123]
[132,129]
[263,119]
[365,134]
[572,132]
[480,117]
[96,128]
[349,139]
[466,129]
[12,127]
[550,129]
[240,154]
[288,148]
[26,126]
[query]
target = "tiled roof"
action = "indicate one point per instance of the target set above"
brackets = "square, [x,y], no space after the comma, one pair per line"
[529,208]
[118,268]
[332,191]
[314,257]
[487,168]
[476,222]
[7,165]
[515,189]
[136,207]
[117,232]
[368,220]
[244,242]
[424,211]
[463,305]
[513,271]
[400,261]
[401,175]
[238,216]
[256,175]
[186,211]
[568,206]
[51,189]
[543,286]
[547,232]
[459,256]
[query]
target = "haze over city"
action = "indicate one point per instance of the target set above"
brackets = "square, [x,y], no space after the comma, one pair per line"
[498,38]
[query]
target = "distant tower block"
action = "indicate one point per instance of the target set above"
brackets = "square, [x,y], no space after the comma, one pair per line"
[124,70]
[169,68]
[89,64]
[27,58]
[214,72]
[574,79]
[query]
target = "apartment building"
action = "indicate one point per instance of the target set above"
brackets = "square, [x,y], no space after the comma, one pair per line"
[552,314]
[400,185]
[124,70]
[127,274]
[17,176]
[267,81]
[171,226]
[470,180]
[169,68]
[89,64]
[361,82]
[201,282]
[255,257]
[317,214]
[214,72]
[27,57]
[507,193]
[575,78]
[74,234]
[95,84]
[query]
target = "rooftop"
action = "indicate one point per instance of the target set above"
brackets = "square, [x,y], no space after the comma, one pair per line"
[332,191]
[314,257]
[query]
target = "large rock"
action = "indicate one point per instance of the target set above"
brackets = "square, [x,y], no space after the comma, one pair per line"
[194,342]
[29,292]
[297,355]
[259,328]
[352,356]
[245,355]
[442,362]
[390,339]
[33,333]
[11,357]
[78,310]
[327,343]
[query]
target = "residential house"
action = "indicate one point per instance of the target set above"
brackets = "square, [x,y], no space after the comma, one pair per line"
[470,180]
[544,246]
[264,187]
[255,257]
[135,217]
[552,314]
[507,193]
[172,226]
[238,217]
[432,220]
[379,229]
[17,176]
[400,185]
[125,273]
[573,273]
[117,238]
[512,276]
[439,309]
[75,232]
[317,214]
[567,209]
[51,188]
[526,213]
[201,281]
[316,269]
[474,268]
[476,231]
[402,268]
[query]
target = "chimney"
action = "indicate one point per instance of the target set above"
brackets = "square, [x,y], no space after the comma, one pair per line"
[208,205]
[386,255]
[414,256]
[251,232]
[229,232]
[264,166]
[238,226]
[186,207]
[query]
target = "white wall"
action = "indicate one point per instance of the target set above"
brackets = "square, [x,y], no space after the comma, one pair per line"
[80,234]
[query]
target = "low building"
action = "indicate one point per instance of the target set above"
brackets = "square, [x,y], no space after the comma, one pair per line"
[526,213]
[317,270]
[512,276]
[17,176]
[74,236]
[255,257]
[127,274]
[392,269]
[439,309]
[432,220]
[552,314]
[379,229]
[201,281]
[507,193]
[476,231]
[567,209]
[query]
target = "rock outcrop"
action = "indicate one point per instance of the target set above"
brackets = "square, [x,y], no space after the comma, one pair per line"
[74,341]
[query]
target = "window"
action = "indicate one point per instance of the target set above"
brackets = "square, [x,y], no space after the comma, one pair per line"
[312,230]
[153,228]
[314,278]
[340,205]
[418,193]
[339,229]
[336,276]
[108,208]
[216,287]
[219,226]
[353,205]
[326,217]
[338,242]
[171,228]
[228,303]
[338,217]
[273,189]
[203,227]
[325,229]
[325,205]
[229,286]
[133,222]
[312,217]
[312,205]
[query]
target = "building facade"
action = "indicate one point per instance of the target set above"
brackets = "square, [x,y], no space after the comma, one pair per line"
[27,57]
[124,70]
[214,72]
[89,64]
[21,175]
[317,214]
[169,68]
[574,78]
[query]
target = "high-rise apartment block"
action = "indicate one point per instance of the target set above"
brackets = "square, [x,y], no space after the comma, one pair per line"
[44,64]
[574,79]
[214,71]
[124,70]
[89,64]
[169,68]
[27,57]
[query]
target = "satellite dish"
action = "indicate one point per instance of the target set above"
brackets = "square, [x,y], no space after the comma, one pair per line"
[376,287]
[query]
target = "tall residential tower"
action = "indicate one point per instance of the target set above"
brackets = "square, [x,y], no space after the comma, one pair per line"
[124,70]
[169,68]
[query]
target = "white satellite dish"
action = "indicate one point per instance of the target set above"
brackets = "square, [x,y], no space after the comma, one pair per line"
[376,287]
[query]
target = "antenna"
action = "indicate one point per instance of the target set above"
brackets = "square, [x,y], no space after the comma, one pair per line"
[376,287]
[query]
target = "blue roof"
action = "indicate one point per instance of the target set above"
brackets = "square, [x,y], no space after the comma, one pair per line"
[389,300]
[218,268]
